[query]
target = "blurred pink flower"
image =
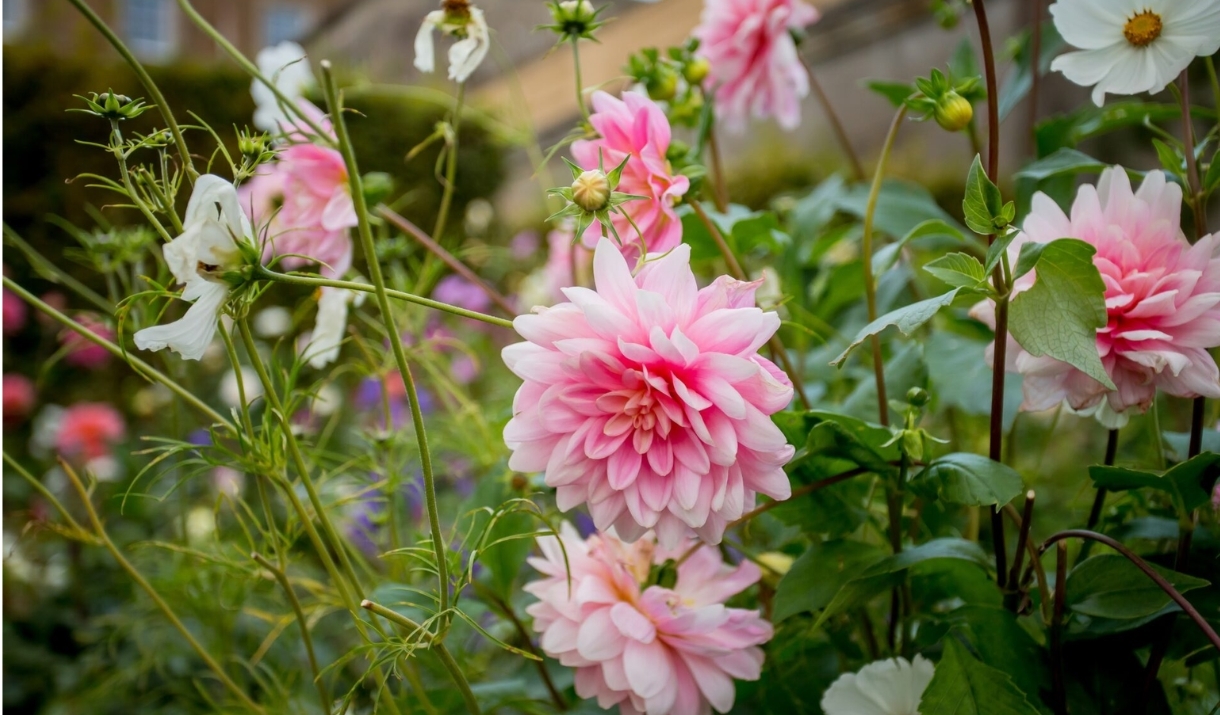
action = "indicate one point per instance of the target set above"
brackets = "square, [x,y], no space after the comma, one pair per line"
[755,67]
[15,313]
[1162,296]
[648,400]
[83,353]
[19,398]
[647,650]
[305,202]
[635,126]
[89,430]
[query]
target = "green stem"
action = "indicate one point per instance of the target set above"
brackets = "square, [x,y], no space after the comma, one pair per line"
[139,365]
[282,579]
[442,215]
[152,592]
[121,157]
[145,79]
[580,89]
[252,70]
[53,273]
[870,284]
[455,671]
[1215,82]
[46,494]
[241,380]
[392,334]
[317,281]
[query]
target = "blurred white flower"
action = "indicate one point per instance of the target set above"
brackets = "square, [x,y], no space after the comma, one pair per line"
[885,687]
[200,525]
[323,346]
[327,400]
[272,322]
[226,480]
[1131,47]
[463,21]
[206,249]
[288,69]
[231,396]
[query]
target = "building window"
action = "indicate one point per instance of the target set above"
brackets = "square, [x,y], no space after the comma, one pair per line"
[284,22]
[150,28]
[16,15]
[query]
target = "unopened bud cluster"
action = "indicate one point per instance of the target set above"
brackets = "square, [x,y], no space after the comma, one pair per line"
[115,107]
[573,19]
[675,76]
[949,102]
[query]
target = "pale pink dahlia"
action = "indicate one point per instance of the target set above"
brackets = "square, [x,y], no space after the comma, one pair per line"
[648,400]
[305,202]
[635,126]
[755,67]
[1162,296]
[648,649]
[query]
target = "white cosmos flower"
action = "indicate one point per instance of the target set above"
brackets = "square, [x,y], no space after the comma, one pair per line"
[207,247]
[886,687]
[323,346]
[288,69]
[1133,46]
[466,23]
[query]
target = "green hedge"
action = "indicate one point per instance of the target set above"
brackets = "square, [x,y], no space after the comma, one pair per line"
[41,153]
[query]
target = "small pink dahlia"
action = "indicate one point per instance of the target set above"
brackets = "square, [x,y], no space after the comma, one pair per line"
[1162,296]
[89,430]
[635,126]
[647,399]
[648,649]
[755,67]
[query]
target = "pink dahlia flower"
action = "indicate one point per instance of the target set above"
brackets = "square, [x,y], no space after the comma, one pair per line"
[755,67]
[305,202]
[1162,296]
[19,398]
[648,400]
[15,313]
[646,649]
[89,430]
[635,126]
[81,352]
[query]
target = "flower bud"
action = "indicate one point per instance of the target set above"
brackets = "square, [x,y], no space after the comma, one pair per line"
[953,111]
[663,85]
[591,191]
[917,397]
[697,70]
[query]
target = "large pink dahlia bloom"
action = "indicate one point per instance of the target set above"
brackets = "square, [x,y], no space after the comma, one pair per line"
[651,650]
[1162,296]
[635,126]
[755,67]
[648,400]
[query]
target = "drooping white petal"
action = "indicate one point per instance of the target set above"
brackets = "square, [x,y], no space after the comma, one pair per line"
[287,67]
[324,344]
[190,335]
[466,55]
[424,52]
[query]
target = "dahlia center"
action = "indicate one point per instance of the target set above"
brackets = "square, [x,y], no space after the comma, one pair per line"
[1142,29]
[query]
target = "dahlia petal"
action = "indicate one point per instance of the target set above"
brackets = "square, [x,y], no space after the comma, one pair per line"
[597,638]
[647,666]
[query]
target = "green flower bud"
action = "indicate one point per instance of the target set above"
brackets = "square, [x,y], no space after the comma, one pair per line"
[663,85]
[378,185]
[591,191]
[917,397]
[696,70]
[115,107]
[953,111]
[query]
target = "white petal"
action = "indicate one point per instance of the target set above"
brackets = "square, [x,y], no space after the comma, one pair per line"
[424,52]
[190,335]
[323,347]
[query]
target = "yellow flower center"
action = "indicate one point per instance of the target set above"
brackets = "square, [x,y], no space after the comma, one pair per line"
[1142,29]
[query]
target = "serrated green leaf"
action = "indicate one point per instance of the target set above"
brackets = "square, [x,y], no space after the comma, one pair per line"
[906,319]
[983,202]
[969,479]
[995,252]
[814,579]
[1060,314]
[1028,258]
[1189,484]
[959,270]
[1110,586]
[1170,157]
[965,686]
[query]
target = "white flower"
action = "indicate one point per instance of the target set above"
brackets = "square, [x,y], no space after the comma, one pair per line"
[1133,46]
[886,687]
[465,56]
[207,247]
[273,322]
[231,396]
[288,69]
[323,346]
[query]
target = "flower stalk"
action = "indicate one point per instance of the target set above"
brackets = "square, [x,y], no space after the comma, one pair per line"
[451,152]
[282,579]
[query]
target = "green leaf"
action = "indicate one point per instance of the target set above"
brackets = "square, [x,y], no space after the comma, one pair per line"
[814,579]
[848,440]
[983,202]
[906,319]
[1028,258]
[1068,130]
[997,249]
[1063,161]
[1211,181]
[970,479]
[895,92]
[901,206]
[1060,314]
[959,270]
[882,575]
[965,686]
[961,378]
[1110,586]
[1189,484]
[1170,157]
[1019,81]
[885,258]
